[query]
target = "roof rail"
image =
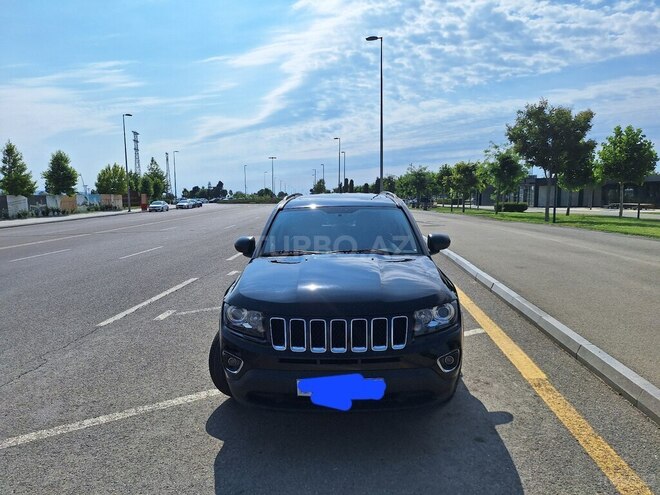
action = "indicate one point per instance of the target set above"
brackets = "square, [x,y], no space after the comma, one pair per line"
[389,194]
[288,198]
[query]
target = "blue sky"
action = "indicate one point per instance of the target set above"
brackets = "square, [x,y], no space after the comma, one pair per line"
[231,83]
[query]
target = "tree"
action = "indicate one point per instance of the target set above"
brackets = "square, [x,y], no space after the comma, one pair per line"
[216,191]
[158,186]
[482,181]
[546,136]
[147,186]
[351,186]
[579,174]
[505,171]
[465,179]
[60,177]
[416,182]
[626,157]
[265,192]
[442,184]
[134,179]
[111,180]
[319,187]
[16,180]
[389,183]
[158,178]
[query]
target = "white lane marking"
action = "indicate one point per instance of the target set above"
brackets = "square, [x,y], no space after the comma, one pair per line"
[148,301]
[168,228]
[141,252]
[107,418]
[38,255]
[233,272]
[476,331]
[44,241]
[232,258]
[164,315]
[193,311]
[229,227]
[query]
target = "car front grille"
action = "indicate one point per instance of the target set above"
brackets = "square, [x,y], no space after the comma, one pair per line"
[338,336]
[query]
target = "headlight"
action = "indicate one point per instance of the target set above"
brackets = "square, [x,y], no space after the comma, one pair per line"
[245,321]
[436,318]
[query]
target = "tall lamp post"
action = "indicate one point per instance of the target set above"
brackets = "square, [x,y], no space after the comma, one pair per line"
[344,153]
[323,176]
[245,178]
[128,179]
[174,160]
[374,38]
[272,173]
[339,163]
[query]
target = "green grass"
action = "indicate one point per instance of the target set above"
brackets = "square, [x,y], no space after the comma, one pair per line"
[626,225]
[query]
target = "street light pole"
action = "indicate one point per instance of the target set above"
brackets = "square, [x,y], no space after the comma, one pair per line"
[245,178]
[339,163]
[272,173]
[344,153]
[174,160]
[128,181]
[323,176]
[374,38]
[314,184]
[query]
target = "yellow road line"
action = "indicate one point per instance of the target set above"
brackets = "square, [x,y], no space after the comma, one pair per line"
[616,469]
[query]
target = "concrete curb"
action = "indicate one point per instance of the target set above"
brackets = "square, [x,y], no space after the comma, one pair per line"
[8,224]
[640,392]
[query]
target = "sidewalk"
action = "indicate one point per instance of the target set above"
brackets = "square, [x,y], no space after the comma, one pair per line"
[4,224]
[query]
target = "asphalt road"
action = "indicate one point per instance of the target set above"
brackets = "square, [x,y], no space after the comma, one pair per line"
[128,407]
[604,286]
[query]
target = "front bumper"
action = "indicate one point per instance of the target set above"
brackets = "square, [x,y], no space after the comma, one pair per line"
[412,375]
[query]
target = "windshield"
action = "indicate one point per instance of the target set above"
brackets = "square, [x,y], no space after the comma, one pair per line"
[341,230]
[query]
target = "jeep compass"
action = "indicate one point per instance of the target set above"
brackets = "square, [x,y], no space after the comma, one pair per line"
[339,286]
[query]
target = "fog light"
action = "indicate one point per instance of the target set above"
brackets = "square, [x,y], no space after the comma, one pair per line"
[233,364]
[449,361]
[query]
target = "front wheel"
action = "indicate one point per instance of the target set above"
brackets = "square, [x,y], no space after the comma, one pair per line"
[215,368]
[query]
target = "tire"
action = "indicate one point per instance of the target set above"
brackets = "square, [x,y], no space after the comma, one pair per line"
[215,368]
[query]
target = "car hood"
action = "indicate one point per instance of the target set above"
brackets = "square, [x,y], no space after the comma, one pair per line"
[339,285]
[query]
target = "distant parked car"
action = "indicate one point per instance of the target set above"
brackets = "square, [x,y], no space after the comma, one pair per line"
[204,200]
[184,204]
[196,203]
[159,206]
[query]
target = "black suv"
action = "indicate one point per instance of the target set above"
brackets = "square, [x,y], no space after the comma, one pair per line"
[340,301]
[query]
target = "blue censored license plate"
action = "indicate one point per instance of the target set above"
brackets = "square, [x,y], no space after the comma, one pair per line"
[339,391]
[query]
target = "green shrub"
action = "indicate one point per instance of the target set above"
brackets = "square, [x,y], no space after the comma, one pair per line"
[513,207]
[22,214]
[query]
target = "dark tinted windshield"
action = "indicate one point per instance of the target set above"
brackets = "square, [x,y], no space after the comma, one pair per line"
[341,229]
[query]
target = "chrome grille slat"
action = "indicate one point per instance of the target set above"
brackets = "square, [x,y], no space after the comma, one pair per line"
[379,334]
[359,335]
[338,336]
[298,334]
[317,335]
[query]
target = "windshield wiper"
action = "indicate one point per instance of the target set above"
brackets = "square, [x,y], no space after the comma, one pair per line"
[364,251]
[289,253]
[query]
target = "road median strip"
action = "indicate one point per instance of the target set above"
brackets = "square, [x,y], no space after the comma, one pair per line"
[639,391]
[622,476]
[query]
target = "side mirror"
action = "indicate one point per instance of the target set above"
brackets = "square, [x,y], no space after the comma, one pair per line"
[245,245]
[437,242]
